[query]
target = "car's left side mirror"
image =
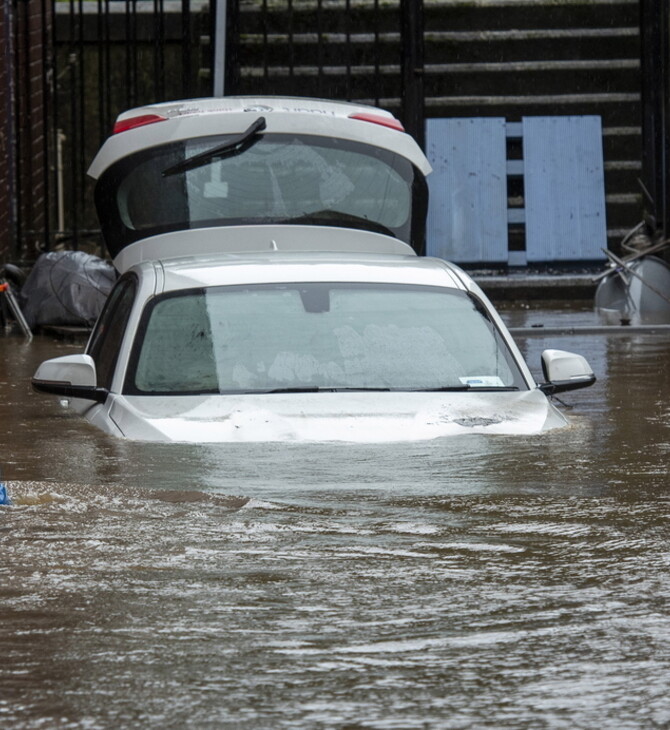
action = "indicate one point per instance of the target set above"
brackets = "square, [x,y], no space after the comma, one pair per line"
[565,371]
[71,376]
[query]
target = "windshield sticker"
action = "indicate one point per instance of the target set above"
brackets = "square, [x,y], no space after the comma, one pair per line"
[483,381]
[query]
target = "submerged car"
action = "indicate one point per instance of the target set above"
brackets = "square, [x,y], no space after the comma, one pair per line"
[270,290]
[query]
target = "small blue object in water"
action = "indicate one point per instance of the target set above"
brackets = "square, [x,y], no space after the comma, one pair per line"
[4,497]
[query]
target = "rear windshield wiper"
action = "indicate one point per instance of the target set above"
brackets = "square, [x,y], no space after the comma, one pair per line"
[232,147]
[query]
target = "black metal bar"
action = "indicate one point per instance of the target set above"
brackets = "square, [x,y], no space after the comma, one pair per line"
[23,161]
[187,48]
[377,55]
[411,30]
[159,51]
[347,20]
[102,98]
[79,157]
[133,99]
[10,124]
[232,71]
[291,47]
[46,122]
[655,67]
[106,121]
[319,46]
[128,50]
[264,25]
[55,130]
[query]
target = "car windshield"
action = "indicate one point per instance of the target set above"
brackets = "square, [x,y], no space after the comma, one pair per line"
[271,179]
[331,336]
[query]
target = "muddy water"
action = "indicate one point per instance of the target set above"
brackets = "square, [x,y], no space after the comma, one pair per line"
[467,583]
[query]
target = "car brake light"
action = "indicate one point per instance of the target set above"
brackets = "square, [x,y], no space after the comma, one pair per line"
[125,124]
[390,122]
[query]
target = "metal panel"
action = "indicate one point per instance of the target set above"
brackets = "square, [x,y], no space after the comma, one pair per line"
[564,189]
[467,212]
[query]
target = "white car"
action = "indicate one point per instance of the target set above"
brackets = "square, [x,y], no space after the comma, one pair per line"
[269,291]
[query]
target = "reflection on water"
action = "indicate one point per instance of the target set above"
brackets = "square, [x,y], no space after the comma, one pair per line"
[470,582]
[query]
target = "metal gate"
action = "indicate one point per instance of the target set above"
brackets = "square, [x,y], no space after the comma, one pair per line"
[369,51]
[111,55]
[99,57]
[68,67]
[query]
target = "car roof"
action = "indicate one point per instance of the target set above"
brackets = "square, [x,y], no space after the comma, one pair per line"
[277,267]
[158,124]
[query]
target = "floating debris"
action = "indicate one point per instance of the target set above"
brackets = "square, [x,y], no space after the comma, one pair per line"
[4,497]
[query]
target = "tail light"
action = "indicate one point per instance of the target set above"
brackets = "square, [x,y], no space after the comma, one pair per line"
[125,124]
[390,122]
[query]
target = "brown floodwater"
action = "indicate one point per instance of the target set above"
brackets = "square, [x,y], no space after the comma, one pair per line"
[471,582]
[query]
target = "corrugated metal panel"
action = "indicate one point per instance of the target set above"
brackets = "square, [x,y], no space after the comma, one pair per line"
[564,188]
[467,213]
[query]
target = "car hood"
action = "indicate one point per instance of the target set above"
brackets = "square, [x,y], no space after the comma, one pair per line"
[353,417]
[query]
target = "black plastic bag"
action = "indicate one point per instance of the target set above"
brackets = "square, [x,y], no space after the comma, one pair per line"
[66,288]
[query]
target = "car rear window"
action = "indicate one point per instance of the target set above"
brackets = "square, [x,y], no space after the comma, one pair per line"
[274,179]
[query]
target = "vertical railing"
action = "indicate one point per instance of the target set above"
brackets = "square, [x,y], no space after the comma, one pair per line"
[108,57]
[411,21]
[376,49]
[319,47]
[28,56]
[351,50]
[290,36]
[655,59]
[8,134]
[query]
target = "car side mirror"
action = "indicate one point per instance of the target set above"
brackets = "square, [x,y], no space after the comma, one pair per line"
[70,376]
[565,371]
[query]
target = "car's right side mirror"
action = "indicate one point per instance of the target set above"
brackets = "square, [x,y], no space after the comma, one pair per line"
[565,371]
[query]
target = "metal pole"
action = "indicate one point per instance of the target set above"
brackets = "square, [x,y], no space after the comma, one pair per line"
[411,19]
[664,110]
[219,41]
[9,115]
[186,49]
[655,82]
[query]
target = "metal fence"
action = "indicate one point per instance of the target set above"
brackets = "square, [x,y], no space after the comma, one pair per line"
[355,50]
[100,57]
[111,55]
[503,59]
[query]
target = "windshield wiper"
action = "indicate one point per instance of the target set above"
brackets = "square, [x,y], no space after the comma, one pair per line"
[353,389]
[323,389]
[232,147]
[442,389]
[303,389]
[463,388]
